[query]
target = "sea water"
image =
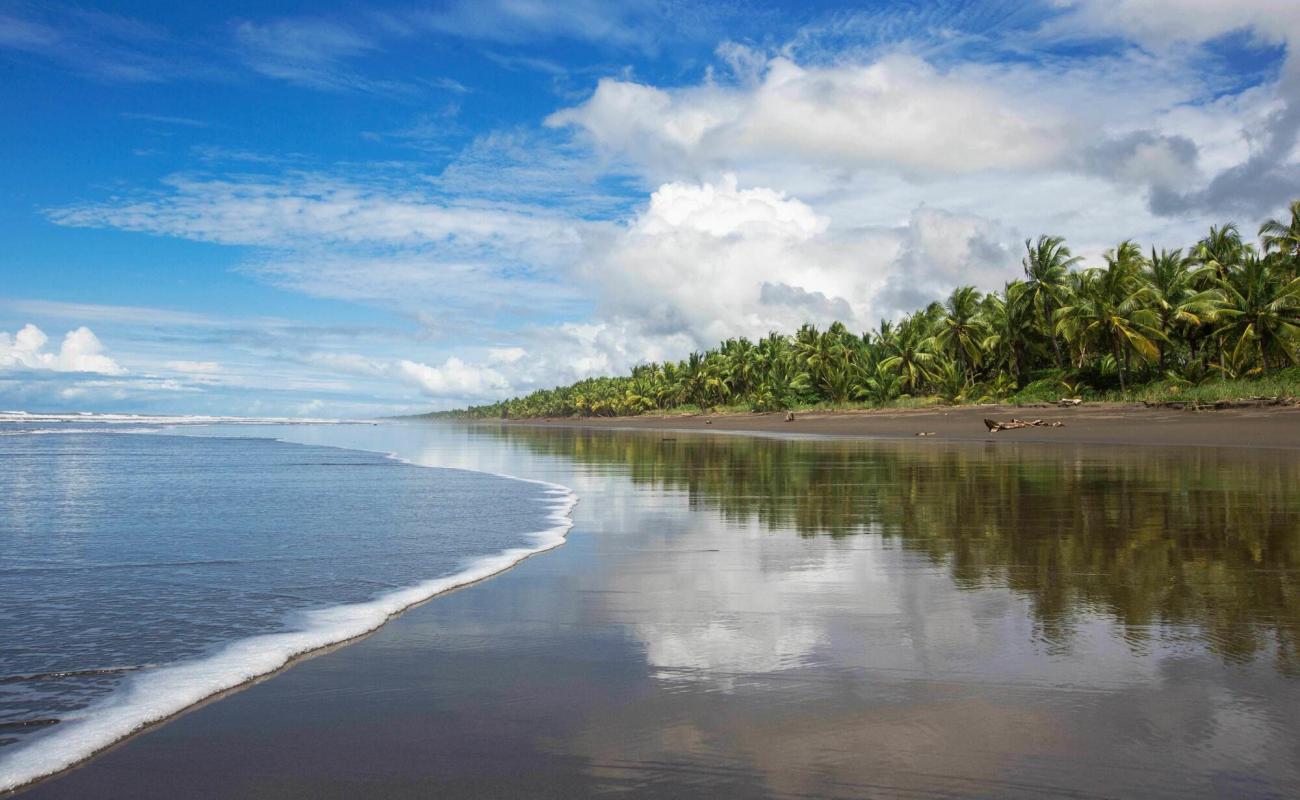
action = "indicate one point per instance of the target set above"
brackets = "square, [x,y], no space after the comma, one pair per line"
[142,571]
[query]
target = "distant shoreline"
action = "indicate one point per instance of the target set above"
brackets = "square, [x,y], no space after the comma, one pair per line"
[1100,423]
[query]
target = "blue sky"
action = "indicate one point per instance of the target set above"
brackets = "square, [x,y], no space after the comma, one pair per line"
[298,209]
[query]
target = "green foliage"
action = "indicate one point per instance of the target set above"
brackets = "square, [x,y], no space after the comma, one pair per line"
[1044,390]
[1224,318]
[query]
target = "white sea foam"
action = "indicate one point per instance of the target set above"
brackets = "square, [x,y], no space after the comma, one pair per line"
[153,695]
[163,419]
[49,431]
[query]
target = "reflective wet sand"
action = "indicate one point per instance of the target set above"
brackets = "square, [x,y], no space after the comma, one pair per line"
[737,616]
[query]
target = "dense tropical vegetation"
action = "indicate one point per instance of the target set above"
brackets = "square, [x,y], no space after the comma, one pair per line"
[1225,310]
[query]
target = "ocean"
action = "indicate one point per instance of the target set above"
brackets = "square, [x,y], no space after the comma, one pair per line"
[147,565]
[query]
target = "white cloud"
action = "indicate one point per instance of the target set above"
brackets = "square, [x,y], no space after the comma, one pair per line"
[635,23]
[506,355]
[455,378]
[1168,22]
[80,351]
[899,112]
[310,52]
[195,367]
[301,209]
[394,245]
[710,261]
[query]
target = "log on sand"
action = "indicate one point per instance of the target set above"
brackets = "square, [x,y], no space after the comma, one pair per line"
[1220,405]
[994,426]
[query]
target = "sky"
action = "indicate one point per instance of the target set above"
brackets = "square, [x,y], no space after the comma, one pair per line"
[353,210]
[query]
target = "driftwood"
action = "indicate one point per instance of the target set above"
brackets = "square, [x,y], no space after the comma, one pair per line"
[1066,402]
[994,426]
[789,416]
[925,433]
[1220,405]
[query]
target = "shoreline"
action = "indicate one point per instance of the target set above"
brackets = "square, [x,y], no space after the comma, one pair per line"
[1109,424]
[689,644]
[120,723]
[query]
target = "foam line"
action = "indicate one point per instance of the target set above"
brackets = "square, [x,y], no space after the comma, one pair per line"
[156,694]
[166,419]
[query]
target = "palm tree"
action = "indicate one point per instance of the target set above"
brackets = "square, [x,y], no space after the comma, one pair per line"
[742,364]
[1260,310]
[880,385]
[1107,308]
[1046,265]
[961,330]
[1007,319]
[695,380]
[1221,251]
[1171,293]
[1282,239]
[911,351]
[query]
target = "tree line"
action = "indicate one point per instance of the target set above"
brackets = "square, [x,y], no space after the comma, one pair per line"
[1224,309]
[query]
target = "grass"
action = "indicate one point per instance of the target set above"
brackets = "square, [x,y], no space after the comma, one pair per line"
[1283,383]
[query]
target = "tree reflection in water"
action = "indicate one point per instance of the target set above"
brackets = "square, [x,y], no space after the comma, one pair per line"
[1165,541]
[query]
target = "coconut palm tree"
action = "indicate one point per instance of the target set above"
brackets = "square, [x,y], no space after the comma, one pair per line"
[1170,290]
[1047,263]
[1260,311]
[962,330]
[1282,239]
[1106,308]
[1007,319]
[1221,251]
[911,353]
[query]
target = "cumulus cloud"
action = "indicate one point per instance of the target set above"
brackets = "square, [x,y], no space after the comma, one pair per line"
[1270,176]
[706,261]
[80,351]
[818,305]
[940,251]
[697,259]
[899,112]
[1145,158]
[455,378]
[452,380]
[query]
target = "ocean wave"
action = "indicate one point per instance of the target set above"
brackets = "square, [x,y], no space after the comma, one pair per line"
[48,431]
[29,417]
[154,694]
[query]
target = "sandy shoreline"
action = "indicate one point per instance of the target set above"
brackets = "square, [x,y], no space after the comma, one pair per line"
[1276,427]
[689,645]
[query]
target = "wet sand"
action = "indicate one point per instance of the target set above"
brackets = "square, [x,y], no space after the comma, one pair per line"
[1088,424]
[728,620]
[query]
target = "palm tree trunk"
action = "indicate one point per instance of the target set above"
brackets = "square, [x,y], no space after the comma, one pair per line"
[1120,364]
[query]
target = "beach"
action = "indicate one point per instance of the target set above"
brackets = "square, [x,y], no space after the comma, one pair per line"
[753,616]
[1277,426]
